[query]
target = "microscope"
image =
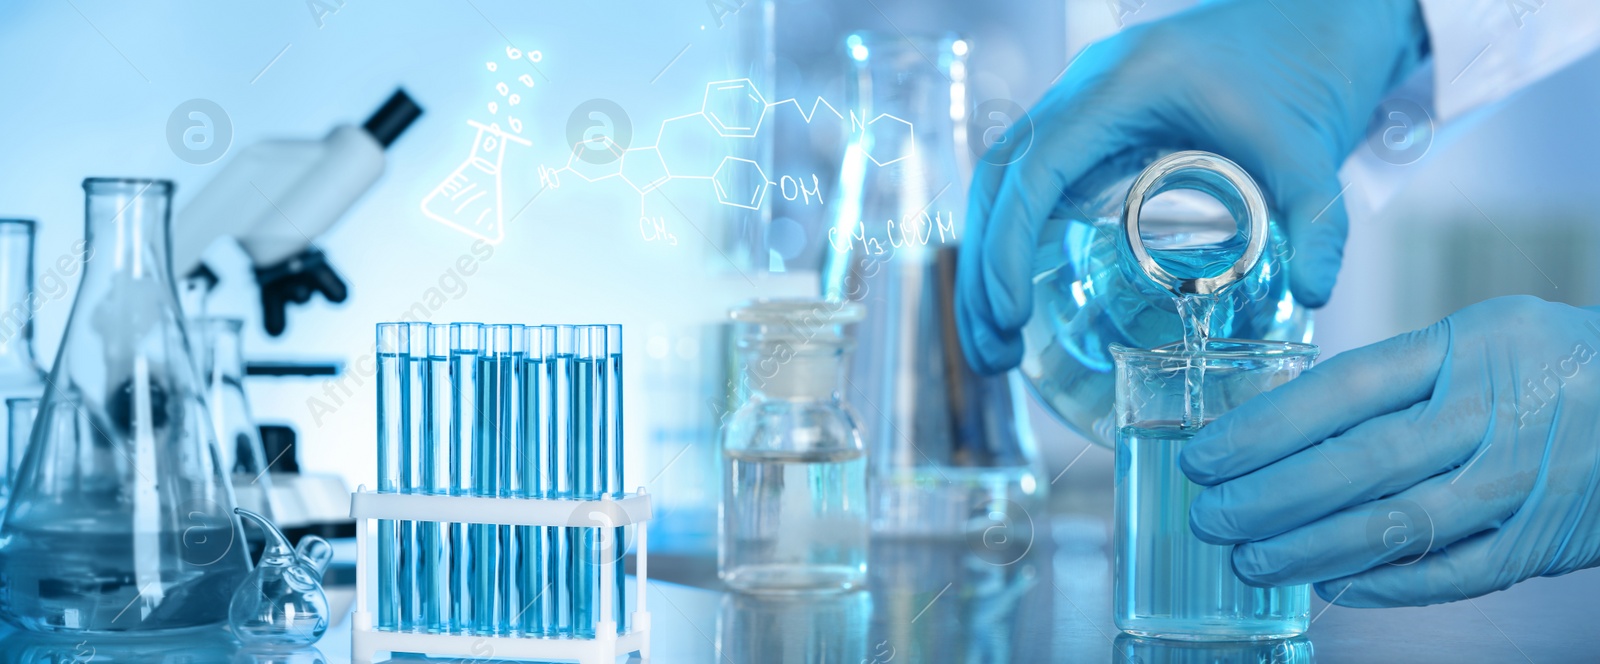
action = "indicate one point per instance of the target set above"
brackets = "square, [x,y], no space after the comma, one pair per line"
[275,198]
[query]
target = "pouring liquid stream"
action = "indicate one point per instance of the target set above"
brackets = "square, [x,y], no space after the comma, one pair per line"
[1194,311]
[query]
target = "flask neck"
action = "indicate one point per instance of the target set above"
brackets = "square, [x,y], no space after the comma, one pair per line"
[223,359]
[904,89]
[16,289]
[126,229]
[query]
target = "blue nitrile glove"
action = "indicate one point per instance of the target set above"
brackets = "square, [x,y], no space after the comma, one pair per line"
[1284,88]
[1435,466]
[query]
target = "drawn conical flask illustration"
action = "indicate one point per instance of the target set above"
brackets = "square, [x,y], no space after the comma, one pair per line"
[469,199]
[121,518]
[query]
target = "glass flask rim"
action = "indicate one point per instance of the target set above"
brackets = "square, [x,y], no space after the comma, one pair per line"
[230,323]
[1231,349]
[1156,179]
[880,38]
[7,222]
[776,311]
[105,185]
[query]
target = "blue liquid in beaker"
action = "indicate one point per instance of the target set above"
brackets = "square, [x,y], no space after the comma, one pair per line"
[1177,586]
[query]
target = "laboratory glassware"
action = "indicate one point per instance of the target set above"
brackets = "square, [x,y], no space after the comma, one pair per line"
[532,580]
[952,451]
[20,375]
[238,439]
[794,514]
[20,414]
[122,518]
[436,556]
[281,601]
[1168,583]
[497,428]
[1129,648]
[1089,294]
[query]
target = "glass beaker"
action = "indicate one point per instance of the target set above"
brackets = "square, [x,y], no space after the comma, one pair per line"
[1088,295]
[1168,583]
[20,375]
[122,519]
[238,440]
[1136,650]
[950,454]
[794,512]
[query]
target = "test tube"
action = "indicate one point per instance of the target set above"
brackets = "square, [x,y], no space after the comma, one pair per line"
[533,594]
[20,413]
[510,351]
[495,363]
[584,441]
[414,405]
[560,372]
[464,351]
[611,454]
[436,551]
[392,344]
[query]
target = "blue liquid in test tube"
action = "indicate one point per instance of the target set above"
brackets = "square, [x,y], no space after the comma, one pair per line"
[436,554]
[558,458]
[611,462]
[464,351]
[410,572]
[584,440]
[392,345]
[493,362]
[531,581]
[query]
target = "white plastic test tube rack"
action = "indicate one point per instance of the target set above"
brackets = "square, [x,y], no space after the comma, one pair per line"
[606,515]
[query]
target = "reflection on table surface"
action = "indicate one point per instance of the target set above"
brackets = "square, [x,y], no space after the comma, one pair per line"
[211,646]
[1036,590]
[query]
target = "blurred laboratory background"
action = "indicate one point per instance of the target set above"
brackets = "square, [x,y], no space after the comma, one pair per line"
[1496,205]
[1498,202]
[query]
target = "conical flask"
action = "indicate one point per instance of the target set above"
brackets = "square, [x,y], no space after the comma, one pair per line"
[121,518]
[950,453]
[238,440]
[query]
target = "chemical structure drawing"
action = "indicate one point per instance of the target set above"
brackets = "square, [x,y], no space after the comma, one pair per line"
[732,109]
[469,200]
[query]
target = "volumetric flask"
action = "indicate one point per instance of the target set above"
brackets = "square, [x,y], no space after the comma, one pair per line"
[1168,583]
[122,517]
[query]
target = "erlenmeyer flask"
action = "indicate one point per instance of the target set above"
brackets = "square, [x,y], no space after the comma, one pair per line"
[121,518]
[238,440]
[20,376]
[950,452]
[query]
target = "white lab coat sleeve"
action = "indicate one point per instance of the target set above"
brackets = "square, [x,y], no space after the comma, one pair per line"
[1482,52]
[1485,50]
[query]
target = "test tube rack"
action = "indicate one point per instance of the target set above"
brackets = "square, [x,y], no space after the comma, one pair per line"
[604,515]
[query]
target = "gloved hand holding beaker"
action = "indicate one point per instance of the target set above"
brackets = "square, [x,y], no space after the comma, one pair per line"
[1432,467]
